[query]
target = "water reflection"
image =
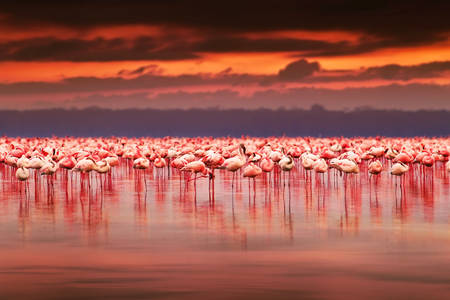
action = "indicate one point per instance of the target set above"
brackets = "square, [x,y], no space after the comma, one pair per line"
[137,234]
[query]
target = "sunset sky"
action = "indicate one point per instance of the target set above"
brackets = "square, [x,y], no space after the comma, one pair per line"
[122,54]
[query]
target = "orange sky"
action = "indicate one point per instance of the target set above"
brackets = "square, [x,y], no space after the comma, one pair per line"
[240,62]
[288,51]
[253,63]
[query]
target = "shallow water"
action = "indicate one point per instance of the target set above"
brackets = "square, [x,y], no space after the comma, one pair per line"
[309,237]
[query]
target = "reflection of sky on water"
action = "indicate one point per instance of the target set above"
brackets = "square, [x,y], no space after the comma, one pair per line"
[316,237]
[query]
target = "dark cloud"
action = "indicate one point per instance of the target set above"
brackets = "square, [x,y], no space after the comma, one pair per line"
[151,48]
[390,72]
[233,44]
[394,71]
[99,49]
[366,44]
[171,47]
[219,27]
[298,70]
[408,22]
[149,69]
[146,81]
[303,47]
[146,48]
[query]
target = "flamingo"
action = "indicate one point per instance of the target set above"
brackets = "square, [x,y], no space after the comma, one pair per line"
[112,160]
[178,163]
[85,165]
[375,167]
[11,161]
[276,156]
[286,164]
[49,168]
[102,166]
[23,161]
[252,171]
[22,174]
[235,163]
[427,161]
[399,169]
[141,163]
[320,166]
[255,157]
[68,162]
[308,160]
[197,167]
[377,151]
[160,162]
[17,152]
[36,162]
[267,165]
[336,147]
[391,153]
[348,166]
[213,160]
[420,156]
[403,157]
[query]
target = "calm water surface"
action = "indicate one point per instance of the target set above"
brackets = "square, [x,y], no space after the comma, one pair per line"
[317,237]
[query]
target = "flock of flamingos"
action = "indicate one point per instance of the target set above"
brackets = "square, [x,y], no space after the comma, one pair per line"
[247,157]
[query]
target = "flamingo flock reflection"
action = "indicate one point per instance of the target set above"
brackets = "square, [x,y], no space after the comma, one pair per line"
[86,174]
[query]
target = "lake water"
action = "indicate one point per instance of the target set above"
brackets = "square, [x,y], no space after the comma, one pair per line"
[310,237]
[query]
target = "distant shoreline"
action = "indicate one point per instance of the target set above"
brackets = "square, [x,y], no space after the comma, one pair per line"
[218,122]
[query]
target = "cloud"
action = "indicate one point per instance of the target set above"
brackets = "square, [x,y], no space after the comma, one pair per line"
[151,77]
[409,22]
[298,70]
[99,49]
[434,69]
[380,25]
[173,46]
[146,81]
[223,44]
[148,69]
[403,97]
[394,71]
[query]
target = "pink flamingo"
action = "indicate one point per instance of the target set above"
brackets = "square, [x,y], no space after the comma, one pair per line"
[252,171]
[235,163]
[286,164]
[375,167]
[197,167]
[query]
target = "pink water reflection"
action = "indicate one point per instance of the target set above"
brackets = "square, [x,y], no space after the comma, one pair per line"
[145,235]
